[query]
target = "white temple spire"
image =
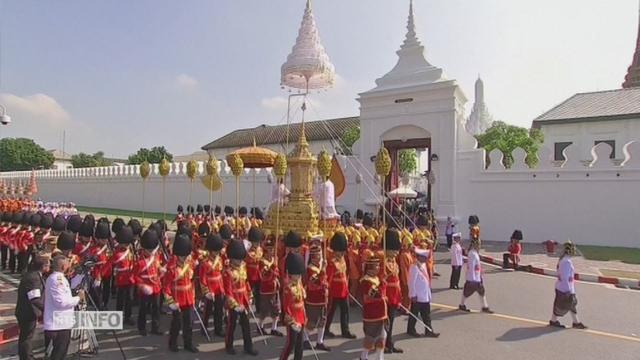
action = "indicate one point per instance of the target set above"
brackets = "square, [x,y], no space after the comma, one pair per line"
[412,67]
[480,119]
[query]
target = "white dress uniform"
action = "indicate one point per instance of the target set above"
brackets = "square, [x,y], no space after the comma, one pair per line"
[58,301]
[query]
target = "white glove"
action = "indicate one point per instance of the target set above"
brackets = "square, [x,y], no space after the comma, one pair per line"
[209,296]
[146,289]
[239,309]
[296,327]
[173,307]
[96,283]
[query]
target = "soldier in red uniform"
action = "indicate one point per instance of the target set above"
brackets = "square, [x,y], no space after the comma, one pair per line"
[200,237]
[179,293]
[179,219]
[122,262]
[374,308]
[317,290]
[293,301]
[254,257]
[147,272]
[338,286]
[4,230]
[238,291]
[101,272]
[84,247]
[11,239]
[64,246]
[269,303]
[24,239]
[391,276]
[211,284]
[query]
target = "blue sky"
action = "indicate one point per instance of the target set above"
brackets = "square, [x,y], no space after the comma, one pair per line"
[119,75]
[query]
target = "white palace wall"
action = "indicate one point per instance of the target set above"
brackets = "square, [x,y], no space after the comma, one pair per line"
[596,204]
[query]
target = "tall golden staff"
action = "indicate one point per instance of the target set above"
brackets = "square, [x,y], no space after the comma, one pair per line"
[164,169]
[237,166]
[192,168]
[212,168]
[383,167]
[145,170]
[280,170]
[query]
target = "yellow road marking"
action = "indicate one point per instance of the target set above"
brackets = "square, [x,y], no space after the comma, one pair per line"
[538,322]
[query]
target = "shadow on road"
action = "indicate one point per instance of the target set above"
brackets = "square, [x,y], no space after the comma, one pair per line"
[525,333]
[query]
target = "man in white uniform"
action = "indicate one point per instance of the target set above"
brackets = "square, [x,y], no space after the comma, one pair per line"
[58,301]
[565,300]
[420,295]
[474,282]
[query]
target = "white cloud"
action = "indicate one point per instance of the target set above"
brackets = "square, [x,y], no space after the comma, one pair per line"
[40,109]
[274,103]
[186,82]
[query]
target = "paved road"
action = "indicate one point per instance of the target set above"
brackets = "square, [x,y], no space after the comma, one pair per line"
[522,303]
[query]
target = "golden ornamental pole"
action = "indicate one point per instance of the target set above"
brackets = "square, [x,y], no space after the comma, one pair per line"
[192,168]
[237,166]
[383,167]
[211,168]
[280,170]
[145,170]
[164,169]
[324,170]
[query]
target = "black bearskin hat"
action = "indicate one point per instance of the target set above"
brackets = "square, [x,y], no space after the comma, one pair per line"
[204,229]
[17,218]
[26,216]
[190,209]
[199,209]
[66,241]
[182,245]
[117,225]
[59,223]
[473,220]
[86,229]
[47,221]
[180,209]
[90,219]
[292,240]
[517,234]
[257,213]
[184,229]
[217,210]
[125,235]
[207,209]
[228,210]
[225,232]
[102,230]
[35,220]
[255,235]
[294,264]
[359,214]
[339,242]
[149,240]
[135,225]
[242,211]
[214,243]
[236,250]
[74,223]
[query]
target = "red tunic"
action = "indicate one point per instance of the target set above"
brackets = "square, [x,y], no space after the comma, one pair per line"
[293,301]
[122,263]
[316,286]
[147,272]
[103,267]
[236,286]
[254,256]
[83,250]
[392,279]
[374,307]
[211,276]
[337,277]
[3,234]
[25,239]
[269,275]
[177,283]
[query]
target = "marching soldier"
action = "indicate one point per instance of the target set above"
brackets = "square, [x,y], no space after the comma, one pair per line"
[474,281]
[374,308]
[317,290]
[391,276]
[147,272]
[4,246]
[254,257]
[338,286]
[239,295]
[122,262]
[211,284]
[102,270]
[293,300]
[84,246]
[269,303]
[179,293]
[65,244]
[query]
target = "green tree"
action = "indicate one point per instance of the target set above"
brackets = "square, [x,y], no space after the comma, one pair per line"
[349,137]
[408,159]
[507,138]
[83,160]
[153,156]
[23,154]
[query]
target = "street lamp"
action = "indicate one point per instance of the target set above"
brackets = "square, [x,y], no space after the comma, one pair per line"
[4,118]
